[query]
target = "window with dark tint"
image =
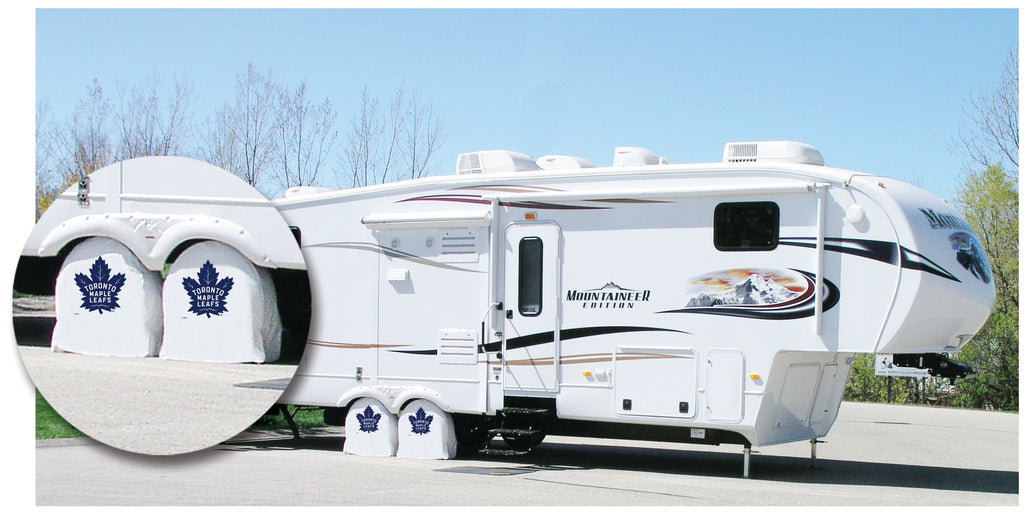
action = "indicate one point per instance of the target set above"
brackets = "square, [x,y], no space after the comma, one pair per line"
[747,226]
[531,275]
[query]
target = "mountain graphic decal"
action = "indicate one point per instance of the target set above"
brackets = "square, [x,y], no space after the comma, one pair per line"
[757,293]
[755,290]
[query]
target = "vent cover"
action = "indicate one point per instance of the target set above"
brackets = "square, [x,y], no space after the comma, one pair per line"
[741,152]
[457,346]
[459,246]
[469,163]
[781,151]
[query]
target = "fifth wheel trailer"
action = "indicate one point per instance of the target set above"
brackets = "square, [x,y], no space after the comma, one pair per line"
[709,303]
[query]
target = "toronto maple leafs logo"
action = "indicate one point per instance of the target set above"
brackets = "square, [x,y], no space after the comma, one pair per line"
[368,420]
[99,289]
[208,294]
[421,422]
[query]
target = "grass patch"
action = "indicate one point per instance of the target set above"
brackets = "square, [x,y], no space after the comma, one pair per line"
[49,424]
[306,417]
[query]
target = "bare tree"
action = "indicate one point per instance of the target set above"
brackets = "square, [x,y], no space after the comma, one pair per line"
[150,126]
[67,151]
[82,144]
[359,154]
[47,179]
[217,143]
[242,137]
[307,137]
[399,144]
[424,133]
[993,133]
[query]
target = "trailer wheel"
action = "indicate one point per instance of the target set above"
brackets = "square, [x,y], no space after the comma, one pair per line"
[106,302]
[219,307]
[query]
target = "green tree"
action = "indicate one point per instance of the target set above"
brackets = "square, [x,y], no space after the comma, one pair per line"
[989,200]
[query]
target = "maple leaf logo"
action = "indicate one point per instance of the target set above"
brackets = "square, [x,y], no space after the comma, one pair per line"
[207,294]
[99,289]
[421,422]
[368,420]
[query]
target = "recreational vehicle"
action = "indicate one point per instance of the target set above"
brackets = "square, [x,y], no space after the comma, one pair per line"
[709,303]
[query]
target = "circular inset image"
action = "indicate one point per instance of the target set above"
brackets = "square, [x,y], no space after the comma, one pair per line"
[163,305]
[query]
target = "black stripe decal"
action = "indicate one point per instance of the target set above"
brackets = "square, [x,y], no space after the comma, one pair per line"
[549,337]
[875,250]
[881,251]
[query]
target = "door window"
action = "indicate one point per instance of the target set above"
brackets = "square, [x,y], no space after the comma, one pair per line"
[531,276]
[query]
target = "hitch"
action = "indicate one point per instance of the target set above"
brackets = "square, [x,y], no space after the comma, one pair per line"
[937,364]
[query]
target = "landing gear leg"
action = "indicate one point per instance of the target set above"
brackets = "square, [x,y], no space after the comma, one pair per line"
[746,461]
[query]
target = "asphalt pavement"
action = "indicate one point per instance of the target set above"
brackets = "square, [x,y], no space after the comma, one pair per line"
[875,455]
[154,406]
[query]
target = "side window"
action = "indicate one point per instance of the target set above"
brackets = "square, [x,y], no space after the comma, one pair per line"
[747,226]
[531,276]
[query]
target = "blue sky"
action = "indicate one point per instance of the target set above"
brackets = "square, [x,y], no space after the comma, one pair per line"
[875,90]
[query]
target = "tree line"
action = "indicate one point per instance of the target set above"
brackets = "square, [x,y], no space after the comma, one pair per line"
[988,197]
[270,135]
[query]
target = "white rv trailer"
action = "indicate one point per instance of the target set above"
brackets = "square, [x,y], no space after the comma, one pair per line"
[710,303]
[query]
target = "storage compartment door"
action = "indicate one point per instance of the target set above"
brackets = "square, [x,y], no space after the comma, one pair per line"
[724,389]
[655,382]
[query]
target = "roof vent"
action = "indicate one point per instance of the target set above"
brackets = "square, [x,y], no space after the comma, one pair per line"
[552,162]
[772,151]
[633,156]
[496,161]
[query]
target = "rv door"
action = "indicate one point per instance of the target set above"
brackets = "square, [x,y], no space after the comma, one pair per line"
[530,346]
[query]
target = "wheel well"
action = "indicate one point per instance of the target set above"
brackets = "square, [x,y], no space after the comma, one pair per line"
[37,275]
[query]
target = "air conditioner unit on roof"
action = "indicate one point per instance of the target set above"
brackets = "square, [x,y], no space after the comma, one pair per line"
[495,161]
[634,156]
[553,162]
[772,151]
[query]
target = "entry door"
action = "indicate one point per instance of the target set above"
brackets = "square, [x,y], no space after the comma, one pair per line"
[530,348]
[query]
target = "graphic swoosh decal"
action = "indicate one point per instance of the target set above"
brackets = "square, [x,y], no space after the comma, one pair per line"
[882,251]
[577,359]
[549,337]
[478,199]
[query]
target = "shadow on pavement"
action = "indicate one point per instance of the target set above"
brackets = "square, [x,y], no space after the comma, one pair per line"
[555,456]
[322,439]
[769,467]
